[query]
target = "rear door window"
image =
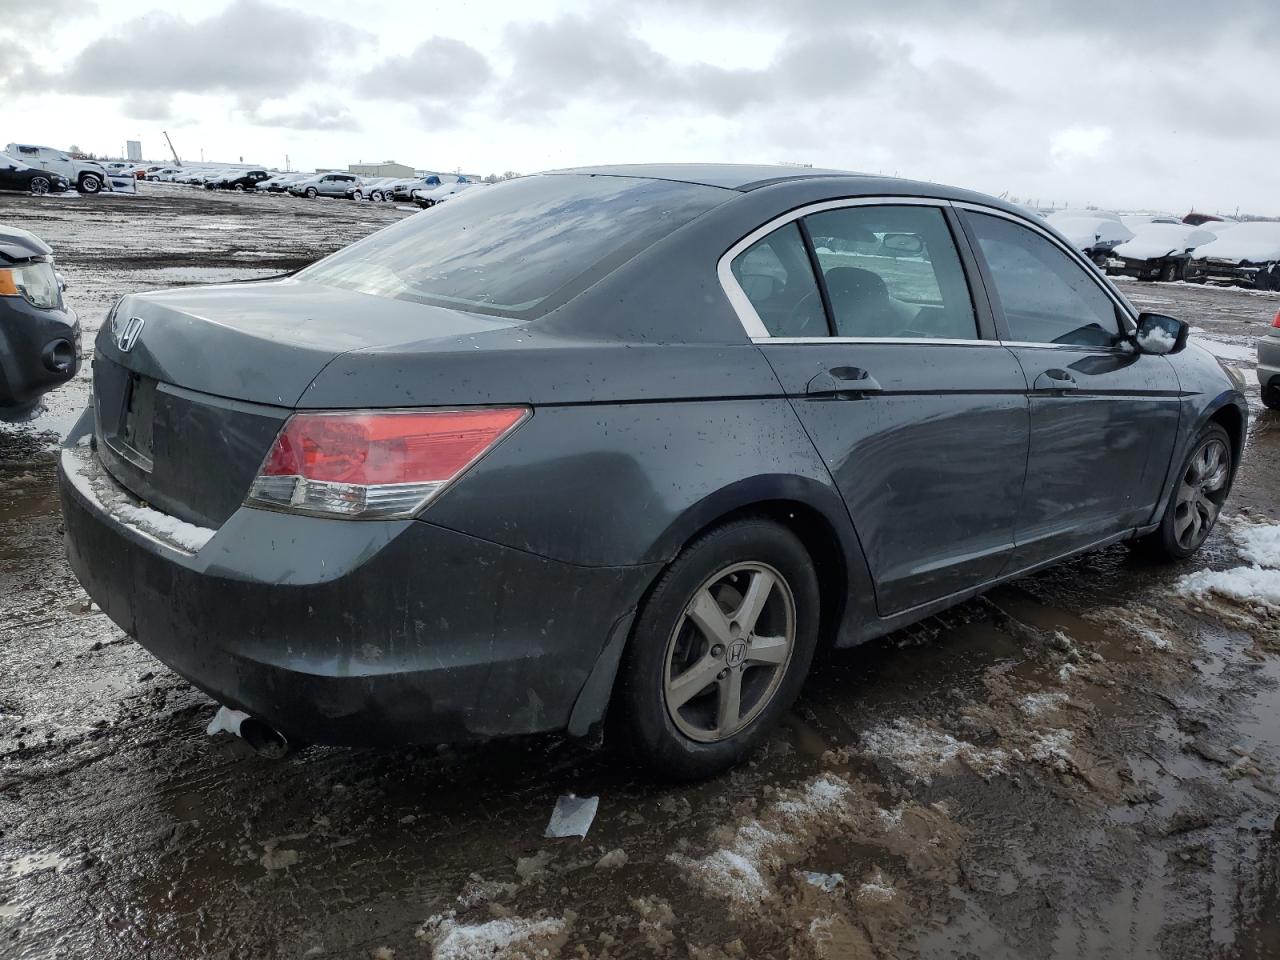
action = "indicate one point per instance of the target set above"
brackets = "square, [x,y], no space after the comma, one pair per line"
[1046,296]
[777,277]
[520,247]
[892,272]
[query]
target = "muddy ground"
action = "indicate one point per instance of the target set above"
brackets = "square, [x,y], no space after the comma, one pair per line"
[1080,764]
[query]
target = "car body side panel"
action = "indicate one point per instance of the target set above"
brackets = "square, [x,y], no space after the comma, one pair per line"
[540,489]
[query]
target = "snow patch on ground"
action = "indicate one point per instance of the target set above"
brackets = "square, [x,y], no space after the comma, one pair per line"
[877,889]
[1053,749]
[1259,543]
[921,751]
[90,478]
[742,871]
[506,938]
[1037,704]
[1256,584]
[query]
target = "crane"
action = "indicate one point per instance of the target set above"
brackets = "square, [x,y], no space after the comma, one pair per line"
[177,162]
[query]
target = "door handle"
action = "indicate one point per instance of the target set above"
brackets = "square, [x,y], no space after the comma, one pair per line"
[1055,380]
[844,381]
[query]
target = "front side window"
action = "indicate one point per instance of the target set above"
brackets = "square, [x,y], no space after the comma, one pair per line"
[520,246]
[1046,296]
[892,271]
[777,277]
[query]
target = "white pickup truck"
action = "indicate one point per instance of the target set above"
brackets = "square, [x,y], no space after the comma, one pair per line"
[86,175]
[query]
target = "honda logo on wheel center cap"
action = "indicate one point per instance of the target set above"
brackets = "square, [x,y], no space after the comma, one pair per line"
[737,653]
[128,335]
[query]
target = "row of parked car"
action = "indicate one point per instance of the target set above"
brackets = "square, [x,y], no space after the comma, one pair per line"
[1197,247]
[425,191]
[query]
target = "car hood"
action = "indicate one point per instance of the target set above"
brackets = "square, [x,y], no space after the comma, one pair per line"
[265,342]
[17,244]
[1252,242]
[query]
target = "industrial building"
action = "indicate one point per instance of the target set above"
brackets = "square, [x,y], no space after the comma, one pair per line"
[387,169]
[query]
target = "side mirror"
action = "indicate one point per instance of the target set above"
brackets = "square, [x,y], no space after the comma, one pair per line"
[1160,335]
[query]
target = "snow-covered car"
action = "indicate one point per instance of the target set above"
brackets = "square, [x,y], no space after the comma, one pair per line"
[375,188]
[429,198]
[280,182]
[402,190]
[1135,220]
[88,176]
[16,175]
[1093,233]
[1269,365]
[239,180]
[39,333]
[1245,254]
[1158,251]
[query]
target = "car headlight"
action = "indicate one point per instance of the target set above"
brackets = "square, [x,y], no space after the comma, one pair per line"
[35,282]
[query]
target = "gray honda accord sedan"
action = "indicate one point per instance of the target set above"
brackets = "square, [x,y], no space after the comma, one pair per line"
[624,440]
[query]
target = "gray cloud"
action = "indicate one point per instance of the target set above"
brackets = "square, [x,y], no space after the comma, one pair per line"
[250,47]
[439,67]
[600,58]
[316,116]
[1184,23]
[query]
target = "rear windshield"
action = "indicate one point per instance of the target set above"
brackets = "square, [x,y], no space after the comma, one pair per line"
[517,248]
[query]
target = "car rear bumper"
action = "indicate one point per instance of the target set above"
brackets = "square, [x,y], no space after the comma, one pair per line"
[28,335]
[1269,360]
[357,633]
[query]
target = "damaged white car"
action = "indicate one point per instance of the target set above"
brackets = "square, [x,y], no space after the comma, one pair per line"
[1158,251]
[1247,254]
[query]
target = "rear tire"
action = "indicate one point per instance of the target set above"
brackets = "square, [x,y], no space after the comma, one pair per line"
[1271,397]
[1201,489]
[720,649]
[1169,272]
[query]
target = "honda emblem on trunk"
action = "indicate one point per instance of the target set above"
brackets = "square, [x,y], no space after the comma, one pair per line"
[128,335]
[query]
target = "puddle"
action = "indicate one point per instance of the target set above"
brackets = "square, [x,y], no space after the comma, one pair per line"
[35,863]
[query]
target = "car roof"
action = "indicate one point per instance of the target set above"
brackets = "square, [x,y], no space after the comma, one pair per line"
[731,176]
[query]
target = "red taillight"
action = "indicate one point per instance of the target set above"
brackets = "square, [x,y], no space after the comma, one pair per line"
[375,464]
[1276,321]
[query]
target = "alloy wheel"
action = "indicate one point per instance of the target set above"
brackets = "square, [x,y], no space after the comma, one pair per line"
[39,186]
[729,651]
[1201,493]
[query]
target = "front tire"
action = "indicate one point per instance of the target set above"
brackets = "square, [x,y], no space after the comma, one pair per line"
[1198,496]
[376,196]
[720,649]
[1271,397]
[1169,272]
[90,184]
[312,193]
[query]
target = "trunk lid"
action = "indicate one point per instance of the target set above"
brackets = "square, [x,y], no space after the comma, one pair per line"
[186,414]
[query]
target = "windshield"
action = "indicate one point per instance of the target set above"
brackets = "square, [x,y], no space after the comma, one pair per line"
[517,247]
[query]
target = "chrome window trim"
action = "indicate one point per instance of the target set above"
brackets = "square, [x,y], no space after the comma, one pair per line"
[915,341]
[742,305]
[1072,253]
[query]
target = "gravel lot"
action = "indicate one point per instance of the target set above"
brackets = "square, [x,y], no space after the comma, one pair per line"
[1081,764]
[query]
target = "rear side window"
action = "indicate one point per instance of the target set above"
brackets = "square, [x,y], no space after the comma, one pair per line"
[1046,296]
[893,271]
[775,274]
[517,247]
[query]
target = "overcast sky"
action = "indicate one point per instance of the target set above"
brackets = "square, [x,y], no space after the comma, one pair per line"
[1139,104]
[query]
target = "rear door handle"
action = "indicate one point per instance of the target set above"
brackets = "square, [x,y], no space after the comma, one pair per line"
[1054,380]
[844,381]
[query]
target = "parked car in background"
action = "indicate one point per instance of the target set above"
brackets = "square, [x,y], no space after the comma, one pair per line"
[240,180]
[1199,219]
[685,447]
[1245,254]
[1093,233]
[39,333]
[16,175]
[375,188]
[1158,251]
[323,185]
[429,198]
[280,182]
[1269,365]
[357,189]
[403,191]
[87,176]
